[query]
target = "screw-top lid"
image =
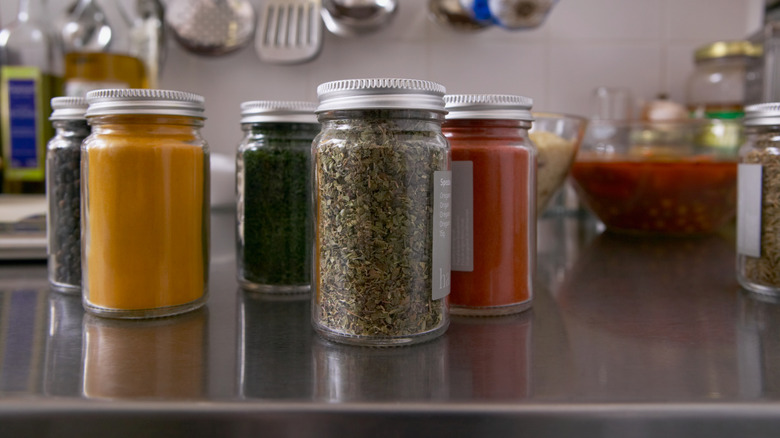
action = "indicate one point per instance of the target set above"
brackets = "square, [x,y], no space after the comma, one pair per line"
[488,106]
[143,101]
[68,108]
[762,114]
[381,93]
[258,111]
[723,49]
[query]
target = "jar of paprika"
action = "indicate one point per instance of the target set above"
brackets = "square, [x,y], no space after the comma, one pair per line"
[145,191]
[493,205]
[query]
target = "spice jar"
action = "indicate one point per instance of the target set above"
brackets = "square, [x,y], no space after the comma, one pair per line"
[494,203]
[145,191]
[382,195]
[274,196]
[63,192]
[758,212]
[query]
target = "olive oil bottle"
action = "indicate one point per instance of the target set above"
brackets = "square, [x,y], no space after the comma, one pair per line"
[27,84]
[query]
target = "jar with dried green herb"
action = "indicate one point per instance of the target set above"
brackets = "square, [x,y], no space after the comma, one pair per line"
[273,184]
[382,197]
[758,201]
[63,192]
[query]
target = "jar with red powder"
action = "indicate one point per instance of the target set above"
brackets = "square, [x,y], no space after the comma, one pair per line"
[494,207]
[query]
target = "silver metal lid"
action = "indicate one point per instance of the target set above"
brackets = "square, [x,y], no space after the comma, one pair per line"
[762,114]
[144,101]
[68,108]
[381,93]
[488,106]
[258,111]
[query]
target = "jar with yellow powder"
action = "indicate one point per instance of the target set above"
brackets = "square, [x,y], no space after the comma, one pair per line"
[145,194]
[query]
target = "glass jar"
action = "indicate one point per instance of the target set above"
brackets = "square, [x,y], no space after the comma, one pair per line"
[716,88]
[382,198]
[758,214]
[273,214]
[63,192]
[494,203]
[145,190]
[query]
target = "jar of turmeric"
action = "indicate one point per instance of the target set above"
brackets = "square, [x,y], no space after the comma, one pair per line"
[145,194]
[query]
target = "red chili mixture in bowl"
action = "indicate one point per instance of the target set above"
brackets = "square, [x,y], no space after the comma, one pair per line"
[684,195]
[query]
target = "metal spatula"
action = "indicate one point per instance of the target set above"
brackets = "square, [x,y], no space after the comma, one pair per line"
[289,31]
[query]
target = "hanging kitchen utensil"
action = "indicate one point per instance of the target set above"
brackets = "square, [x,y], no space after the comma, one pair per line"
[290,31]
[450,14]
[509,14]
[349,18]
[211,27]
[86,28]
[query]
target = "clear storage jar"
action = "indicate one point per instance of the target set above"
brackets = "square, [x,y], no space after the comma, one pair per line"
[382,212]
[273,210]
[494,203]
[758,214]
[145,190]
[63,192]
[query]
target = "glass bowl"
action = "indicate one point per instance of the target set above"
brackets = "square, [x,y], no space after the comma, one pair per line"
[557,138]
[669,178]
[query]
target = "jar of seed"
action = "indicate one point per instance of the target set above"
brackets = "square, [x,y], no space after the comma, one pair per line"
[758,206]
[382,204]
[273,168]
[63,192]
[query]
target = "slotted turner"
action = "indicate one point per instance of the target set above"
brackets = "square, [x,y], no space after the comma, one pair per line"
[289,31]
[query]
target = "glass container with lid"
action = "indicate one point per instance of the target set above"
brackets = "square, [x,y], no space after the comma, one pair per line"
[494,203]
[716,88]
[273,215]
[382,199]
[63,192]
[758,215]
[145,191]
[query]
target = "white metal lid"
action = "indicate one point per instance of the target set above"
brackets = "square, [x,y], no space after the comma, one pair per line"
[144,101]
[489,106]
[258,111]
[381,93]
[68,108]
[762,114]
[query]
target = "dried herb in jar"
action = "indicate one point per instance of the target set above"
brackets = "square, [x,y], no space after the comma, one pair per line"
[276,248]
[375,219]
[765,270]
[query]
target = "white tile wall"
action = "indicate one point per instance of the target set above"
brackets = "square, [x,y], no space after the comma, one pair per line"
[643,45]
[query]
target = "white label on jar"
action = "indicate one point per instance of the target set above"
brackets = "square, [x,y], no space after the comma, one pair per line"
[442,233]
[463,216]
[749,209]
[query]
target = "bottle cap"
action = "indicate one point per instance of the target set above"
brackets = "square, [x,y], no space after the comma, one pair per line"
[488,106]
[258,111]
[381,93]
[144,101]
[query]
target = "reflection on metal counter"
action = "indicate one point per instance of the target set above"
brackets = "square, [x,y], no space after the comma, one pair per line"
[758,344]
[62,373]
[346,373]
[23,321]
[491,357]
[153,359]
[274,339]
[654,316]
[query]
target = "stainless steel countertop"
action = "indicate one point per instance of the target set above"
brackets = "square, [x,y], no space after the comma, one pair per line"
[628,337]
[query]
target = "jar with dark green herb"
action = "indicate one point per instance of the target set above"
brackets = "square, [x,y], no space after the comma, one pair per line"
[758,201]
[63,192]
[273,184]
[382,206]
